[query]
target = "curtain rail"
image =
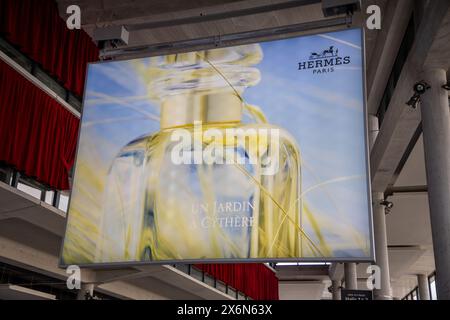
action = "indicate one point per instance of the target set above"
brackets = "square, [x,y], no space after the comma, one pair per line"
[38,83]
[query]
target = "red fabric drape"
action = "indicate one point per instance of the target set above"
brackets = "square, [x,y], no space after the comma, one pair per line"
[40,33]
[255,280]
[38,135]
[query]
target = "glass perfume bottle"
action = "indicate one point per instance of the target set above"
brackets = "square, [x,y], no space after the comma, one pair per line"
[207,185]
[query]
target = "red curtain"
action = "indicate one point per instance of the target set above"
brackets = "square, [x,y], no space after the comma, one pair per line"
[39,32]
[38,136]
[255,280]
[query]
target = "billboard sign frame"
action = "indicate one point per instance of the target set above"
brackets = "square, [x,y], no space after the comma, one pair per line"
[369,259]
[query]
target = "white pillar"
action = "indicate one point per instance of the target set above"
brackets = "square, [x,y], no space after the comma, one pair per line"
[424,287]
[86,288]
[351,276]
[381,248]
[336,289]
[436,138]
[379,228]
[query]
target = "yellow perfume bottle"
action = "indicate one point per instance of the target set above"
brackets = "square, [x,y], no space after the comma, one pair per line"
[207,185]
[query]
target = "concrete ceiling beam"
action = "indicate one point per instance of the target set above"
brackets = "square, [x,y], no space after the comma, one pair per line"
[401,121]
[395,21]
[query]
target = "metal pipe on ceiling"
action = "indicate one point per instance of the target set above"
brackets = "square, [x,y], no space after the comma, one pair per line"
[202,17]
[221,40]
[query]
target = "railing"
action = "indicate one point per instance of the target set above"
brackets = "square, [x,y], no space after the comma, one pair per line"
[16,276]
[34,73]
[60,201]
[15,179]
[211,281]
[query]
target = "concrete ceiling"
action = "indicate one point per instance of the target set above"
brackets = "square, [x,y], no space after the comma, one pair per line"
[304,290]
[133,14]
[439,56]
[371,36]
[99,13]
[105,11]
[413,172]
[408,224]
[302,273]
[409,228]
[12,292]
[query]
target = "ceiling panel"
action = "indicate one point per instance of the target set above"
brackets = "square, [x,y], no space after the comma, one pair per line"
[100,11]
[408,224]
[301,290]
[402,259]
[413,172]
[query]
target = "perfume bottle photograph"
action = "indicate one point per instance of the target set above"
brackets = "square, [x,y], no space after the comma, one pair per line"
[223,154]
[198,210]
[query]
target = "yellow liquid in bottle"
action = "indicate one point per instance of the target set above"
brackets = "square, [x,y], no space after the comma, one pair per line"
[159,210]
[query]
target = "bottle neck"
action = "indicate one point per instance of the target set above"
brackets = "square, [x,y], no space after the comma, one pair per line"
[185,109]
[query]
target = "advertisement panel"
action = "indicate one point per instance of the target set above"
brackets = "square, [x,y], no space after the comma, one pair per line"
[255,152]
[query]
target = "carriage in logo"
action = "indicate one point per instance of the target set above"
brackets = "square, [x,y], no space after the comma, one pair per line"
[331,52]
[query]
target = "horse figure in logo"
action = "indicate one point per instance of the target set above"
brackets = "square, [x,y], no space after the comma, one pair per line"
[330,52]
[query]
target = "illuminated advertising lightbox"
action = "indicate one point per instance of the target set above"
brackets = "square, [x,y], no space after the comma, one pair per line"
[248,153]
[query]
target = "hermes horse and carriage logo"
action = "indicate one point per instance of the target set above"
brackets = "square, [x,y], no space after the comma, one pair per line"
[324,61]
[328,53]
